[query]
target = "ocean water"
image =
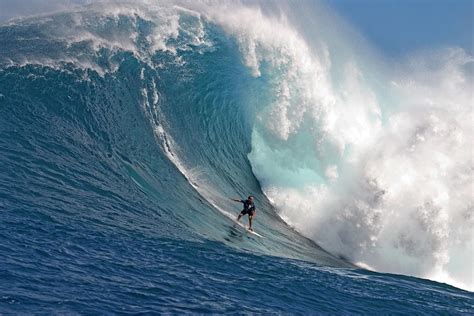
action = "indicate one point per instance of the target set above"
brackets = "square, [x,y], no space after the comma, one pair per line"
[125,128]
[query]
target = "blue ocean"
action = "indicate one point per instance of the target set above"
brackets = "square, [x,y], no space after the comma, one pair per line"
[126,128]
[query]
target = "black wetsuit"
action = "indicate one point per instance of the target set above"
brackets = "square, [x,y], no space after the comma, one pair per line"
[249,208]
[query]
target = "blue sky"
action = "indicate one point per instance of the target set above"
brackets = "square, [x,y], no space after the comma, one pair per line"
[400,26]
[15,8]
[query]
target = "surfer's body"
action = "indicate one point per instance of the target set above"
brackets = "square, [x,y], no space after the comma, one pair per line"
[249,208]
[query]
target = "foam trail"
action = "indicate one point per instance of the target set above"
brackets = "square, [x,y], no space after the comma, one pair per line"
[194,176]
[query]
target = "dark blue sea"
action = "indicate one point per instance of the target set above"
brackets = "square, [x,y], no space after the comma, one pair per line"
[124,131]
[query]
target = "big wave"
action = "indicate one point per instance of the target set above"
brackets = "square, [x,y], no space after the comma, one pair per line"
[373,164]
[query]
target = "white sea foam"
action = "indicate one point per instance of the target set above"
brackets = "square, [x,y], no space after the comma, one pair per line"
[113,27]
[382,176]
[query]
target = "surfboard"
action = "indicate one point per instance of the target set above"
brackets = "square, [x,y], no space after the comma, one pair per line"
[248,230]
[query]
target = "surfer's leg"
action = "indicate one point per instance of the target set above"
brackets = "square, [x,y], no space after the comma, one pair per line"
[250,222]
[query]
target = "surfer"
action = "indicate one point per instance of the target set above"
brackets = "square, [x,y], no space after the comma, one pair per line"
[249,208]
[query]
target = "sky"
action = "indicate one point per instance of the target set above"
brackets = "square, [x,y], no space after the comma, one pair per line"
[393,26]
[15,8]
[398,26]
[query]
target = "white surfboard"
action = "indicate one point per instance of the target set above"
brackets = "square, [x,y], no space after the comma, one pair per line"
[248,230]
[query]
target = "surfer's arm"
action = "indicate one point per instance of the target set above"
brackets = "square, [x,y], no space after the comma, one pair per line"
[236,200]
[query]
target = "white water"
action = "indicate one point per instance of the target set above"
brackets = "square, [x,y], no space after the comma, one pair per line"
[379,171]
